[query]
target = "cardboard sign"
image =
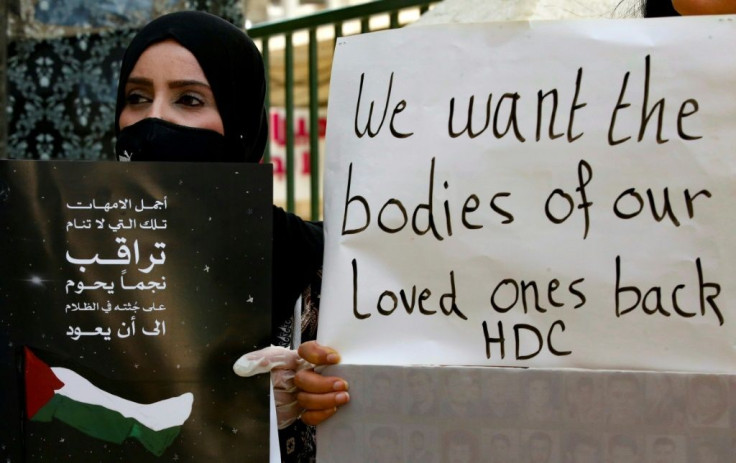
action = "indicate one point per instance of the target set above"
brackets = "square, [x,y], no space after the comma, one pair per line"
[127,292]
[551,194]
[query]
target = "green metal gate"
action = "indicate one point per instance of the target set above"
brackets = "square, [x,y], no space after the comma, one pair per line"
[266,33]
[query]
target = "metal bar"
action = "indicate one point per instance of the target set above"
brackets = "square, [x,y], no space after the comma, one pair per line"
[365,25]
[313,125]
[332,16]
[338,30]
[266,65]
[394,19]
[289,103]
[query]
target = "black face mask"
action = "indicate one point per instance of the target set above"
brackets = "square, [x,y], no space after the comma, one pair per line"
[158,140]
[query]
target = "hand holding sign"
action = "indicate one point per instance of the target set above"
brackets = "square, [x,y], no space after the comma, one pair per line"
[319,395]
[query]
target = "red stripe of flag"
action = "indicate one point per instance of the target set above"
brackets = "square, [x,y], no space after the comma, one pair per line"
[41,383]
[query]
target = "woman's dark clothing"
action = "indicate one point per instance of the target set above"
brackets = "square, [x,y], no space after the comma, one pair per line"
[297,442]
[297,271]
[658,8]
[297,259]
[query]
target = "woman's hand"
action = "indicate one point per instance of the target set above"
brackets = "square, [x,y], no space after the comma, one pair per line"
[283,364]
[319,395]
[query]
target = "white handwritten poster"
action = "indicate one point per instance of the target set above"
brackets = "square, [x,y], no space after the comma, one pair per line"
[127,293]
[552,194]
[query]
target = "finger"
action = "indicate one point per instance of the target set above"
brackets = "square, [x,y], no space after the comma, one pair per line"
[249,366]
[318,354]
[265,359]
[311,382]
[277,356]
[315,417]
[322,401]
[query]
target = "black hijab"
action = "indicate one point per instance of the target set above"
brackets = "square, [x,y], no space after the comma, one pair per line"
[233,66]
[658,8]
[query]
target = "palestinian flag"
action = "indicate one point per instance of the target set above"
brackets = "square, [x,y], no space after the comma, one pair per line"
[60,393]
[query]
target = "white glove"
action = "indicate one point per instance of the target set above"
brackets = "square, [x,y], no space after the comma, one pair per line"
[283,364]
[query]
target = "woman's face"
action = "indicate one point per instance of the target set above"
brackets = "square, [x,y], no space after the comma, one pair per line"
[688,7]
[168,83]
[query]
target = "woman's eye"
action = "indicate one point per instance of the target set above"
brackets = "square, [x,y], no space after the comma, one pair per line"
[135,98]
[190,100]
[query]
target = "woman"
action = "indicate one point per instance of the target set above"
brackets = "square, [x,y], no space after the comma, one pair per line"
[192,88]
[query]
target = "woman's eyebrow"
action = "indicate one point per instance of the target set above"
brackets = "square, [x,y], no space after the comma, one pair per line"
[171,84]
[187,83]
[139,81]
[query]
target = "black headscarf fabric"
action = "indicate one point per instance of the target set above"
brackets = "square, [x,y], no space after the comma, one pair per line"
[231,63]
[658,8]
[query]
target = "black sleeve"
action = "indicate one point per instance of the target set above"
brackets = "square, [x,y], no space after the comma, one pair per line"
[297,256]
